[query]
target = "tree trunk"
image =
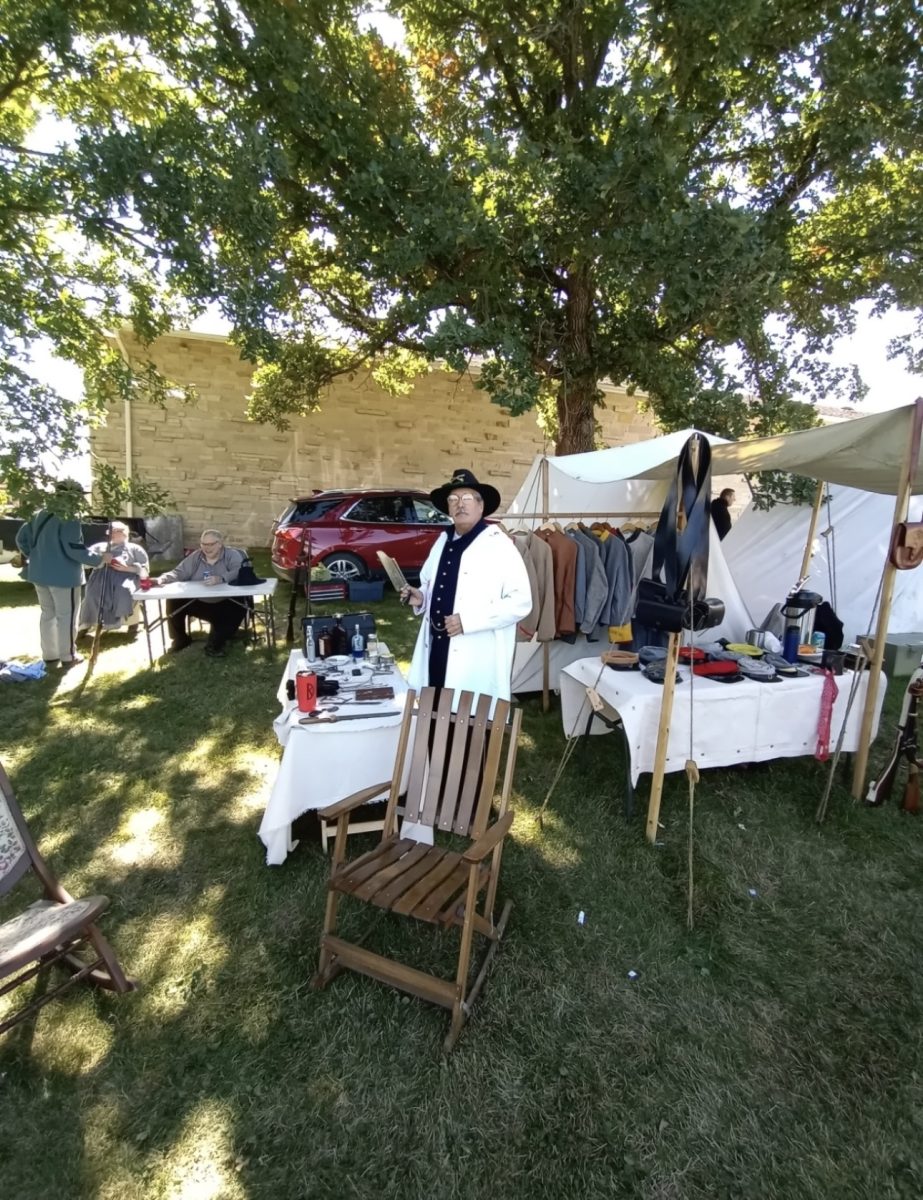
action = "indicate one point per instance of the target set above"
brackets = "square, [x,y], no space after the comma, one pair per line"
[576,400]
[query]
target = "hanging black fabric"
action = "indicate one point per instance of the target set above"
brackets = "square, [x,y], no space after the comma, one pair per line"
[674,598]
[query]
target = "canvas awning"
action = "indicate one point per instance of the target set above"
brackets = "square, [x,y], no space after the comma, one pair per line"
[866,453]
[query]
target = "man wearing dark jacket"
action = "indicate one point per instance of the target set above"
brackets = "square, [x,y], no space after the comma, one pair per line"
[721,512]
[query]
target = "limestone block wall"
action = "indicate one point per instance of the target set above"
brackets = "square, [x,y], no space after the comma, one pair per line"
[225,471]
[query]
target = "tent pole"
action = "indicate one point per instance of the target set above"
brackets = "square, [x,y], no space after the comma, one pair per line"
[812,529]
[546,649]
[901,504]
[663,736]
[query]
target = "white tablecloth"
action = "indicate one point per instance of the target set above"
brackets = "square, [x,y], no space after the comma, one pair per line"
[733,722]
[325,763]
[194,590]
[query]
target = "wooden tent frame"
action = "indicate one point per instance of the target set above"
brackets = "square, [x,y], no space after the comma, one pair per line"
[903,493]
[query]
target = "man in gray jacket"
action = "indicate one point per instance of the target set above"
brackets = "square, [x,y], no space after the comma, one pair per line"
[56,553]
[211,564]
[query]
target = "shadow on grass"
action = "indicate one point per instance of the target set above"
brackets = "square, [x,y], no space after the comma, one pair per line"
[785,1020]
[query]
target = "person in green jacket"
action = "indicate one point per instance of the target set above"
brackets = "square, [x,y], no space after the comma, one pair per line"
[56,558]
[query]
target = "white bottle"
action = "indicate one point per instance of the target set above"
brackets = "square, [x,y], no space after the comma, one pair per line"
[310,650]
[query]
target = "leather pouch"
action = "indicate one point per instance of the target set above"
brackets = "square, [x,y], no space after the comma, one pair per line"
[906,550]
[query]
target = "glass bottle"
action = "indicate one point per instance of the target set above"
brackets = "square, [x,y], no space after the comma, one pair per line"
[339,636]
[358,644]
[310,647]
[324,645]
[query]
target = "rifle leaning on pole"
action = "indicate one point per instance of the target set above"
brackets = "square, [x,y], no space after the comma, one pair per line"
[905,747]
[302,577]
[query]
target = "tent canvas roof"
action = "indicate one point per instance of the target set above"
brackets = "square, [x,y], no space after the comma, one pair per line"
[867,453]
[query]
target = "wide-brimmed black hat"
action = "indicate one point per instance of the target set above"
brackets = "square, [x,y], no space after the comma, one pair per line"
[463,478]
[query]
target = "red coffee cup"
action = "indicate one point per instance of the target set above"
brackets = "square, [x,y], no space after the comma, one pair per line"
[306,691]
[145,584]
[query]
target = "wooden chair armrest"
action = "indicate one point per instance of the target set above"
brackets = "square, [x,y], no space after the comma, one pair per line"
[489,839]
[356,800]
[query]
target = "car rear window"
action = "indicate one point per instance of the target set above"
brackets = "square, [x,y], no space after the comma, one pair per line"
[310,509]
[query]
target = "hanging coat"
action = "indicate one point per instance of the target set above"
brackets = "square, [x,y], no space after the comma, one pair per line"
[492,596]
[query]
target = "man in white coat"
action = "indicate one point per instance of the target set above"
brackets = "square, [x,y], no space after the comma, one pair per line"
[473,591]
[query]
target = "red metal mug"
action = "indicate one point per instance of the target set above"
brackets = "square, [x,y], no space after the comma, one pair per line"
[306,691]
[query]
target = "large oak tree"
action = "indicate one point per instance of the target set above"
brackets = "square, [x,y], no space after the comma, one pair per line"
[685,196]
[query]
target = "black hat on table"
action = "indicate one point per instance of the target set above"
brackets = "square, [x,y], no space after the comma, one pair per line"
[463,478]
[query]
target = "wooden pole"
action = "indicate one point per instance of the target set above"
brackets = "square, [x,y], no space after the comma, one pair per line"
[663,736]
[812,529]
[901,503]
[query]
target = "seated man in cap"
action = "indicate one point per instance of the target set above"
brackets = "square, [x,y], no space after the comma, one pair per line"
[473,591]
[211,564]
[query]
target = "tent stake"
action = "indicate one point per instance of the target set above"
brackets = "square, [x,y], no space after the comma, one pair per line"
[663,737]
[901,504]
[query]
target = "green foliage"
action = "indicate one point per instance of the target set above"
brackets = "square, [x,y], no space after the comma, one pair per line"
[685,198]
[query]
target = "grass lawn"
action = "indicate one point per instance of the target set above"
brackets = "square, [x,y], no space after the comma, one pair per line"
[776,1051]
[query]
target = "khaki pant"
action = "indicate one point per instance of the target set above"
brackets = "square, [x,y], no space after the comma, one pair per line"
[58,622]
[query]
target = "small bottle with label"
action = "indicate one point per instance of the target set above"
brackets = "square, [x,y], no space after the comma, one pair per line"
[324,645]
[358,644]
[310,647]
[371,649]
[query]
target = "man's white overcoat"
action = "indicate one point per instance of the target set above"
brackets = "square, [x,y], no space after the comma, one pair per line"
[492,596]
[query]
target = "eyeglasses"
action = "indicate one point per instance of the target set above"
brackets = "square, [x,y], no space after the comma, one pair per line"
[466,496]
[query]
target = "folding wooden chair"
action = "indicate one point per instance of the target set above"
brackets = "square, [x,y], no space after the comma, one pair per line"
[56,929]
[454,765]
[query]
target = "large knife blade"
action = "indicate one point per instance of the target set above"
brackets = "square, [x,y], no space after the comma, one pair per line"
[322,718]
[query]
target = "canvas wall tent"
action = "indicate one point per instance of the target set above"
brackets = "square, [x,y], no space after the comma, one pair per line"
[764,552]
[879,453]
[609,483]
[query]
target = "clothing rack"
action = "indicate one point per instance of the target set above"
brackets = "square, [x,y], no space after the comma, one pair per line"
[546,515]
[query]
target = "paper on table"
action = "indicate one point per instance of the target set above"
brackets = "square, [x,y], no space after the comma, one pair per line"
[392,570]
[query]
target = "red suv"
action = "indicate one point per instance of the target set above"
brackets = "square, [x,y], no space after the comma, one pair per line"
[343,530]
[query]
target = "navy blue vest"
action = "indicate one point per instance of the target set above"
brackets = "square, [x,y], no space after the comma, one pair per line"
[442,602]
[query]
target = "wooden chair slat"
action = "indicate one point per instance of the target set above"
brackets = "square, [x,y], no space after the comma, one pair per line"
[456,762]
[436,901]
[347,868]
[491,767]
[408,979]
[417,871]
[420,755]
[393,870]
[442,736]
[408,902]
[384,854]
[469,787]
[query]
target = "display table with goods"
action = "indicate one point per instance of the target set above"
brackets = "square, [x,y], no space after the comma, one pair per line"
[256,599]
[344,742]
[749,720]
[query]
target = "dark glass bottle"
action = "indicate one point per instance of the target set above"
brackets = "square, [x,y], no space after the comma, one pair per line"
[324,645]
[340,637]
